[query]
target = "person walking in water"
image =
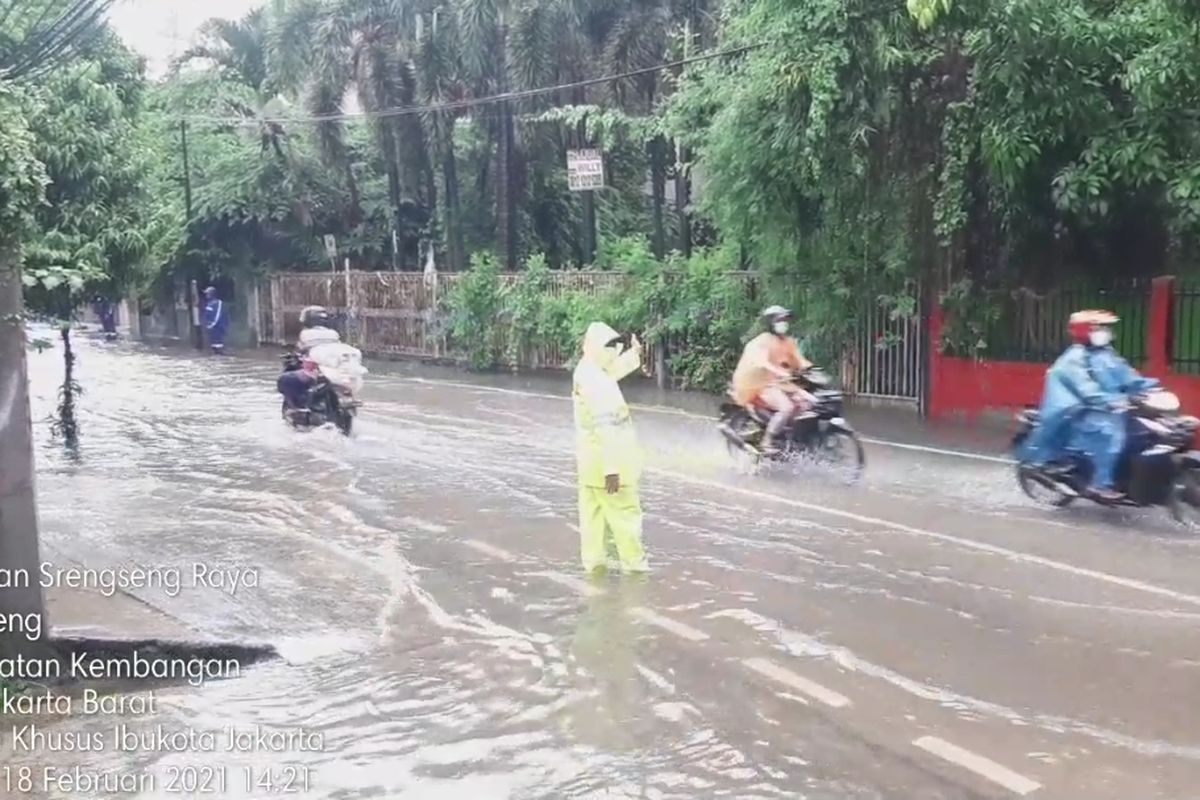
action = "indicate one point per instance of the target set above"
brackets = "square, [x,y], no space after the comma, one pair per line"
[607,452]
[216,320]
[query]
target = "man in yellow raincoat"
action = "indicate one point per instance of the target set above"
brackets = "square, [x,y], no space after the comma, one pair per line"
[608,456]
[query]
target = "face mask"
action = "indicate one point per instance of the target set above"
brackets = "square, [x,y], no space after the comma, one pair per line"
[1101,337]
[780,328]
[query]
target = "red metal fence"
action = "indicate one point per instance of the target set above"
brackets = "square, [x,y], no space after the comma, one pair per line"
[969,387]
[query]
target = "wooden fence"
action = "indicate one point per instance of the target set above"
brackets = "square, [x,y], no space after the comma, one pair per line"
[405,314]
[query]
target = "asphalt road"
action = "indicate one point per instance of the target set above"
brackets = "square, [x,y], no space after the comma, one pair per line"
[926,633]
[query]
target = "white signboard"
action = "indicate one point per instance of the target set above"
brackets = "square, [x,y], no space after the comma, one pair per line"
[585,170]
[330,245]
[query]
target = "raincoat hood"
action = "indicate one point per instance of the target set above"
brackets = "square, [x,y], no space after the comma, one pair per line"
[612,360]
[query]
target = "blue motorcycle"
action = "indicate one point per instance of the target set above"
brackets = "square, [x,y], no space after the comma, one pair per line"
[1158,467]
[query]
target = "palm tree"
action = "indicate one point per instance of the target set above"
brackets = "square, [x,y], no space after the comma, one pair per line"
[35,37]
[438,66]
[499,58]
[330,48]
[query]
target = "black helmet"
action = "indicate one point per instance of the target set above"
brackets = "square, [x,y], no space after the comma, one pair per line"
[775,314]
[313,316]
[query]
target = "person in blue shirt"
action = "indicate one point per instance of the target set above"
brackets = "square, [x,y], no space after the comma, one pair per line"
[1086,394]
[216,320]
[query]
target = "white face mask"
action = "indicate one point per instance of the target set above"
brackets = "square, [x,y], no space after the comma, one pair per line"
[1101,337]
[780,328]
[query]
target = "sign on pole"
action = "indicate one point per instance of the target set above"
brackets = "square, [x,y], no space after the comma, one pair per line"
[331,246]
[585,170]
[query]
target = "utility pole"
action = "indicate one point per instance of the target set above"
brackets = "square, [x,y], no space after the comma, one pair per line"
[193,288]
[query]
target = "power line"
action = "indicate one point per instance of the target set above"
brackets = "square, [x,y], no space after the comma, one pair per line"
[457,105]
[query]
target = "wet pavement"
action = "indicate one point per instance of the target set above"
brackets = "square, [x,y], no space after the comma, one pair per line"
[926,634]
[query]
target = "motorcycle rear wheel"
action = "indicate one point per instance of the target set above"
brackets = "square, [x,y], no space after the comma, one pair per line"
[1184,501]
[1042,491]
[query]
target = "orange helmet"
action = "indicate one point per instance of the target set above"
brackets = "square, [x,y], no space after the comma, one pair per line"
[1082,323]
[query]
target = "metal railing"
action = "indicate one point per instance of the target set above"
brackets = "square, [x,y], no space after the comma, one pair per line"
[886,358]
[1032,326]
[1184,330]
[407,314]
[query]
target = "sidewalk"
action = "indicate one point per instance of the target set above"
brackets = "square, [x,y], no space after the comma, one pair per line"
[79,612]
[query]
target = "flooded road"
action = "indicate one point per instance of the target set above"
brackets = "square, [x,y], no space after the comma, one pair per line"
[927,634]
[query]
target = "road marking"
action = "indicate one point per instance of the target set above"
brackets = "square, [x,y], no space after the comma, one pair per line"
[669,625]
[816,691]
[921,448]
[490,550]
[1016,555]
[678,412]
[984,767]
[583,587]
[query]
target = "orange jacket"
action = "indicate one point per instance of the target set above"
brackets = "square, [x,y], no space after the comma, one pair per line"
[753,373]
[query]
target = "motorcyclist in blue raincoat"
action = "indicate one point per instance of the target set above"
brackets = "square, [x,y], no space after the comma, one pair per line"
[1084,403]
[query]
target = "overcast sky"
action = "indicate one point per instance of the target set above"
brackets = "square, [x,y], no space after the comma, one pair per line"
[159,29]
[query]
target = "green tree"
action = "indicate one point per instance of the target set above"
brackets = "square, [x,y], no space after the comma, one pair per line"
[36,36]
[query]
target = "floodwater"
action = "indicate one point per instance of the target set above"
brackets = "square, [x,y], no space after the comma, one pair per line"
[927,634]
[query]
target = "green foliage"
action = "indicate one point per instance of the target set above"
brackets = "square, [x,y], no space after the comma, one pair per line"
[475,305]
[22,176]
[527,303]
[694,306]
[89,232]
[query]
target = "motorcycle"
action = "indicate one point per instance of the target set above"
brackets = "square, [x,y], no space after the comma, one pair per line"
[1158,466]
[821,433]
[334,398]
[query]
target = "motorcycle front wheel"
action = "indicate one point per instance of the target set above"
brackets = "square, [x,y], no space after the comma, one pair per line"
[1042,490]
[345,421]
[843,451]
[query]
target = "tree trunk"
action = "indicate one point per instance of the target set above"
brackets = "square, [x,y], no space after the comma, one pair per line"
[506,217]
[393,174]
[354,215]
[683,196]
[658,189]
[18,507]
[452,206]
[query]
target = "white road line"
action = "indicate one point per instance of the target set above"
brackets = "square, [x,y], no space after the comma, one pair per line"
[669,625]
[816,691]
[490,550]
[677,412]
[575,584]
[984,547]
[920,448]
[984,767]
[1116,580]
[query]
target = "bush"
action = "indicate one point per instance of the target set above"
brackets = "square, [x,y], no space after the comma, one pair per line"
[696,306]
[476,302]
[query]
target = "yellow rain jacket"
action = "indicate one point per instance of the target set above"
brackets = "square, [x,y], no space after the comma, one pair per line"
[606,443]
